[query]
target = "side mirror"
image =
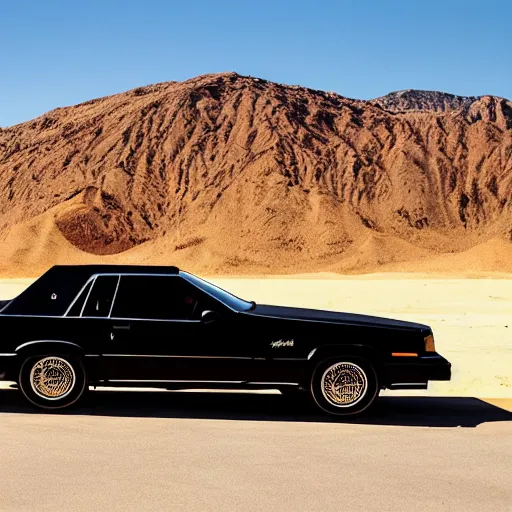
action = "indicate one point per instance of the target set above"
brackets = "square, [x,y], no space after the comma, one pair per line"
[208,316]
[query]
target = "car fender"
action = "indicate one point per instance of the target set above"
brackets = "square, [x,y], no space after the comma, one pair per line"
[325,351]
[40,347]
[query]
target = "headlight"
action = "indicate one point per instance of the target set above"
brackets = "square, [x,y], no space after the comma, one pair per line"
[429,343]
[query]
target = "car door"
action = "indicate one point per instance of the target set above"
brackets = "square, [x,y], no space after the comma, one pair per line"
[87,324]
[157,334]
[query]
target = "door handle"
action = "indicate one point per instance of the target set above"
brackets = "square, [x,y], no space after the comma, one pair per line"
[121,327]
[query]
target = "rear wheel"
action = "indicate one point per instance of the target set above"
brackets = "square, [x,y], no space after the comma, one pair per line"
[344,385]
[52,381]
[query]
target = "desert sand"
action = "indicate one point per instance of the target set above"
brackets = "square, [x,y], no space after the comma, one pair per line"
[471,318]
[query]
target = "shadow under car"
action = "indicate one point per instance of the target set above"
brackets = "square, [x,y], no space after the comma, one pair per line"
[239,406]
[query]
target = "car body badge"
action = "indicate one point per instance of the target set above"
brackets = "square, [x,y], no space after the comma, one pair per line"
[282,343]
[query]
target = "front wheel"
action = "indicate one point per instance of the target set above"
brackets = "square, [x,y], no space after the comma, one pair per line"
[344,385]
[52,381]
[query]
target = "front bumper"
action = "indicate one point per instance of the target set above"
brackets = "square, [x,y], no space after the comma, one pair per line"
[417,371]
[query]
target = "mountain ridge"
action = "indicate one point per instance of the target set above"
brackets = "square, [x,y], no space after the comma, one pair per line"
[388,99]
[242,173]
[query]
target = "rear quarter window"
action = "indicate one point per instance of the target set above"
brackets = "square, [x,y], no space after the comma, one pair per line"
[99,298]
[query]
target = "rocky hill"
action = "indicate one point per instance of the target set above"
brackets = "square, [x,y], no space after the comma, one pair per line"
[231,174]
[423,101]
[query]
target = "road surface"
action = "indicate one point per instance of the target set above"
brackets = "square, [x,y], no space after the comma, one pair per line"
[186,451]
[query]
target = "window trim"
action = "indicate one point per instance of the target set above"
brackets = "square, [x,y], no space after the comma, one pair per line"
[126,318]
[143,274]
[88,295]
[94,279]
[114,297]
[172,276]
[77,296]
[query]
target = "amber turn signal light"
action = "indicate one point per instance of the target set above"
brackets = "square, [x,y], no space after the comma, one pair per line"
[429,343]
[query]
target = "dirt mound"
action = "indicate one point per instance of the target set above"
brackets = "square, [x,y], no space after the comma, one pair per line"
[232,174]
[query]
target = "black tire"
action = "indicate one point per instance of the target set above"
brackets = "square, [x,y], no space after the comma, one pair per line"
[52,381]
[355,393]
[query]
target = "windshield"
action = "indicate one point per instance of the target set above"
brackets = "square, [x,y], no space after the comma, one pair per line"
[230,300]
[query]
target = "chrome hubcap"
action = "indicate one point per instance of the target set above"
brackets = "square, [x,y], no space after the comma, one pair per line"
[52,378]
[344,384]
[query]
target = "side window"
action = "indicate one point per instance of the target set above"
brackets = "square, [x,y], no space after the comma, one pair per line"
[156,298]
[100,299]
[77,306]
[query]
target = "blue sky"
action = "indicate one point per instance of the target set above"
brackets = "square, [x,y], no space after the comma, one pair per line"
[57,53]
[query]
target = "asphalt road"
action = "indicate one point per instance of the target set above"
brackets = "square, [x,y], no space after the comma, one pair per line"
[174,451]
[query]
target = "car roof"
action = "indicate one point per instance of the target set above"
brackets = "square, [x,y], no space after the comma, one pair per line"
[64,282]
[113,269]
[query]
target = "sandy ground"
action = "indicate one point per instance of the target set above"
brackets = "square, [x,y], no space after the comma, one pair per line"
[471,318]
[158,450]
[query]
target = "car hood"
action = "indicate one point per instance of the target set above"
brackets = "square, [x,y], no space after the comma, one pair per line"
[333,317]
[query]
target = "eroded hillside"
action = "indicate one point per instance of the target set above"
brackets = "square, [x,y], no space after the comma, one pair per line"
[236,174]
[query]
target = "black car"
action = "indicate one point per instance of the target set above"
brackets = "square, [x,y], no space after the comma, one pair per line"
[148,326]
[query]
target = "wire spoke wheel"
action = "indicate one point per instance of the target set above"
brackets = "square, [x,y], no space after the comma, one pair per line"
[52,378]
[344,384]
